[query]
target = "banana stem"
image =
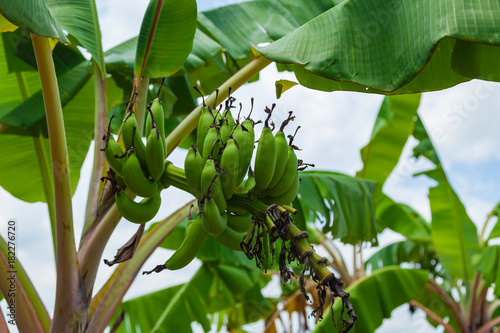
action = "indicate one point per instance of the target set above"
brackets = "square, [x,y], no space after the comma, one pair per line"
[95,240]
[100,122]
[234,82]
[28,293]
[70,304]
[109,298]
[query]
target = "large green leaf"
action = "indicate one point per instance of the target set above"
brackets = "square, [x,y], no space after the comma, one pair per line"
[360,44]
[32,111]
[79,125]
[22,161]
[402,219]
[79,18]
[421,255]
[489,266]
[10,94]
[392,128]
[375,297]
[34,16]
[212,289]
[323,194]
[166,37]
[453,233]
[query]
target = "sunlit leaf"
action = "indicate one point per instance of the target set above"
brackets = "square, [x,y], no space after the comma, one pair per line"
[5,25]
[282,86]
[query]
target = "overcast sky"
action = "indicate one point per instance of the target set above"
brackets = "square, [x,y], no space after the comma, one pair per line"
[464,122]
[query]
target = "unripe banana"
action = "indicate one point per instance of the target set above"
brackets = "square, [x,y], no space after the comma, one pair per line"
[193,166]
[159,119]
[239,223]
[135,179]
[131,137]
[287,197]
[213,222]
[245,138]
[112,152]
[227,126]
[211,185]
[281,158]
[265,159]
[208,145]
[205,122]
[288,177]
[138,212]
[230,164]
[231,238]
[249,183]
[155,154]
[190,246]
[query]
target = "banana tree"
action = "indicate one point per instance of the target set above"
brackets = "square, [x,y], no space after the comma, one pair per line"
[175,42]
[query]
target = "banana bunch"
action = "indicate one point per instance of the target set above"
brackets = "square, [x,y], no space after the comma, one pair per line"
[140,166]
[276,165]
[217,167]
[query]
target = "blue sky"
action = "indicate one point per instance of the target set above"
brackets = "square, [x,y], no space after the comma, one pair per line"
[463,120]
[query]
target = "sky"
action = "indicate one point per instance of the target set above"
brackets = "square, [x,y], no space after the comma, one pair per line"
[463,121]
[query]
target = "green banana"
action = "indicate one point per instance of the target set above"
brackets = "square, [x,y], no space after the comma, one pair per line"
[209,148]
[193,166]
[134,177]
[131,137]
[213,222]
[112,152]
[227,126]
[230,238]
[287,197]
[239,223]
[230,164]
[138,212]
[155,154]
[205,122]
[281,158]
[190,246]
[244,136]
[265,159]
[159,119]
[249,183]
[288,177]
[211,183]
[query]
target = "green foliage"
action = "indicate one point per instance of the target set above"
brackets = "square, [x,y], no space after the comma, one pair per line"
[454,235]
[323,194]
[489,266]
[402,219]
